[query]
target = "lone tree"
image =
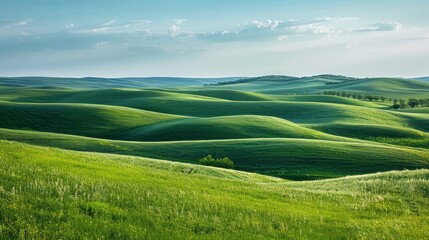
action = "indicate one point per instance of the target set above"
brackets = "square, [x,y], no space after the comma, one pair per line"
[209,160]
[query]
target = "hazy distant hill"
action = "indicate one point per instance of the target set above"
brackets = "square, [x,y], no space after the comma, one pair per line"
[425,79]
[92,82]
[388,87]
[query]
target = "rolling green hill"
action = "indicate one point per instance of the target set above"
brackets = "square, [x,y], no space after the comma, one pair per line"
[370,131]
[108,196]
[416,120]
[119,159]
[298,109]
[232,95]
[329,99]
[297,159]
[405,136]
[79,119]
[94,82]
[229,127]
[388,87]
[43,95]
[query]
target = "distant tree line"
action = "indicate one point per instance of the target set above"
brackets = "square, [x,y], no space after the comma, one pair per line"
[230,82]
[344,81]
[397,103]
[247,80]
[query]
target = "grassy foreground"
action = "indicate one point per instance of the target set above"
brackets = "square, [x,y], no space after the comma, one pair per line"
[50,193]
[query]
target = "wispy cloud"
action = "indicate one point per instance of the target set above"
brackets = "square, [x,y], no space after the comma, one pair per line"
[275,29]
[69,25]
[11,24]
[379,27]
[175,28]
[113,26]
[109,23]
[179,21]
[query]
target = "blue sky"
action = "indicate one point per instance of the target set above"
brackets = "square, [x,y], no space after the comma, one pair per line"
[213,38]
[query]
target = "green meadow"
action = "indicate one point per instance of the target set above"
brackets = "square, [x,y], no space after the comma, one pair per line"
[97,158]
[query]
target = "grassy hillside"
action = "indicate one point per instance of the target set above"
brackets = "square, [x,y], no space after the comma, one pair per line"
[298,109]
[92,82]
[298,112]
[106,196]
[232,95]
[329,99]
[416,120]
[416,110]
[425,79]
[79,119]
[287,158]
[370,131]
[405,136]
[229,127]
[131,124]
[388,87]
[119,159]
[106,96]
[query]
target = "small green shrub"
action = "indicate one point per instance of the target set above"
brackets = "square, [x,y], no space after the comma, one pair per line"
[217,162]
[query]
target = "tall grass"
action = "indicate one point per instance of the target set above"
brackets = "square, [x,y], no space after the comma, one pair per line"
[51,194]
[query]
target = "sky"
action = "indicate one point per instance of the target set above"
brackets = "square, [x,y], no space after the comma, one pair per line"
[196,38]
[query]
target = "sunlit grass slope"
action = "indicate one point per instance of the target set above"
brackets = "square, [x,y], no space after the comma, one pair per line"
[106,96]
[79,119]
[228,127]
[367,131]
[406,136]
[416,120]
[232,95]
[299,109]
[328,99]
[94,82]
[298,112]
[388,87]
[204,106]
[56,194]
[132,124]
[287,158]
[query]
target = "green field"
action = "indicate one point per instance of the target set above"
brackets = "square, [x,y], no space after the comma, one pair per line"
[119,159]
[111,196]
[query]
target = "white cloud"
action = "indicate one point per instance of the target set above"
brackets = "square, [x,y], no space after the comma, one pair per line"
[19,23]
[275,29]
[312,28]
[174,30]
[109,23]
[102,44]
[112,27]
[69,25]
[270,24]
[283,38]
[179,21]
[141,21]
[379,27]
